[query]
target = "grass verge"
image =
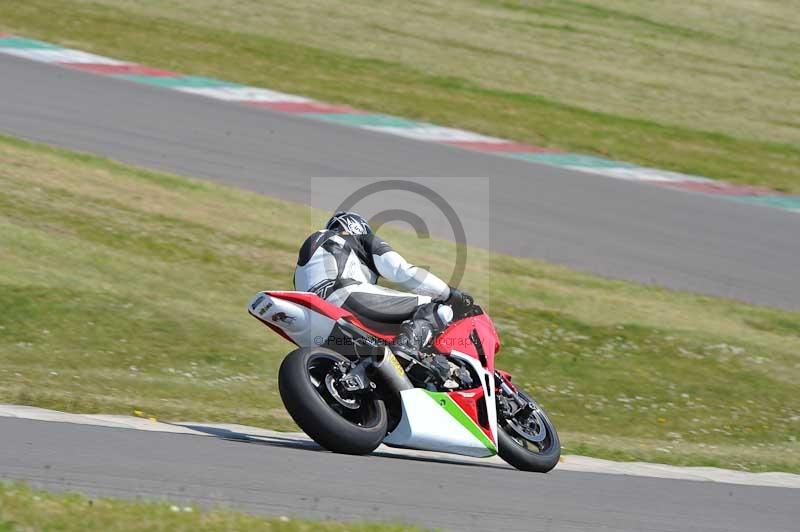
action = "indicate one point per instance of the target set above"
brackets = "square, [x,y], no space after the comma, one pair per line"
[124,289]
[23,509]
[710,94]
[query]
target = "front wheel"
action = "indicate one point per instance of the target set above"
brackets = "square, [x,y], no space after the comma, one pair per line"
[528,439]
[341,423]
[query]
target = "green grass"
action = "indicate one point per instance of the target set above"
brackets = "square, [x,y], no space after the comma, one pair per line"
[698,87]
[124,289]
[23,509]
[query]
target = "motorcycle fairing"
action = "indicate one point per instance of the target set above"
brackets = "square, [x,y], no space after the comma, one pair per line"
[450,422]
[460,335]
[293,321]
[303,318]
[469,400]
[432,421]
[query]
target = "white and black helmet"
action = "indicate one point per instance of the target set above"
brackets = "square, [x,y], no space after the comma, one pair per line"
[350,222]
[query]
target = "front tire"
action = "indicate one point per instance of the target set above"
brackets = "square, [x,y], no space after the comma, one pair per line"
[349,425]
[525,452]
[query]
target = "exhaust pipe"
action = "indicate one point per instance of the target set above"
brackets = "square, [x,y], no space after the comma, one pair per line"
[392,373]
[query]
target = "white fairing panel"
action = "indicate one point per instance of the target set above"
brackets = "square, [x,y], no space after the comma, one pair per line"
[425,425]
[305,327]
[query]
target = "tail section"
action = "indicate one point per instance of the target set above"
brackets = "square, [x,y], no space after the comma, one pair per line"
[297,323]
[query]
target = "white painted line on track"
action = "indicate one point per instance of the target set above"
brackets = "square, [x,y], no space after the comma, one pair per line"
[643,174]
[61,55]
[582,464]
[244,94]
[433,133]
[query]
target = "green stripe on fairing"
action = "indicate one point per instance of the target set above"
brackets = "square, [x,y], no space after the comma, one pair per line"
[179,81]
[571,159]
[450,406]
[20,42]
[358,119]
[783,202]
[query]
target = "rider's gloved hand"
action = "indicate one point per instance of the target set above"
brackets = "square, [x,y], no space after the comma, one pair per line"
[459,301]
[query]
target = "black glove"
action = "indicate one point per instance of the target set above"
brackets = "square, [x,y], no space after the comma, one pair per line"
[460,301]
[440,366]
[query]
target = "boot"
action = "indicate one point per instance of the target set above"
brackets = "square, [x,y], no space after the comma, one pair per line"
[416,333]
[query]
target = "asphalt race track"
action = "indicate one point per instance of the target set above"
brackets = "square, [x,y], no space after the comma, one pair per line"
[289,478]
[614,228]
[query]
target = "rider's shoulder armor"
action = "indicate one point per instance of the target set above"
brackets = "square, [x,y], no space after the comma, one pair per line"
[329,260]
[312,244]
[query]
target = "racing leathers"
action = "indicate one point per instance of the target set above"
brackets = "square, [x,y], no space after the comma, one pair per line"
[343,269]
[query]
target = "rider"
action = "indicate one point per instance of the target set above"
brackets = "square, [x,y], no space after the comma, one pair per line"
[342,264]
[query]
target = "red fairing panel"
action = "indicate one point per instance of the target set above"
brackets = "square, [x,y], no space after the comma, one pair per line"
[468,401]
[456,338]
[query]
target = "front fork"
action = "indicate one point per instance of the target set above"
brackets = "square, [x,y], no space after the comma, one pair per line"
[511,403]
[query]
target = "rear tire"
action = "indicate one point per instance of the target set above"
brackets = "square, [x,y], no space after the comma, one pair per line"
[321,415]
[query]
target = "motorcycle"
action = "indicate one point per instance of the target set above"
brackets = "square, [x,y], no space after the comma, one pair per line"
[349,392]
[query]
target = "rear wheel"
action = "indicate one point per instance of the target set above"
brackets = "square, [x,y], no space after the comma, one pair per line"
[528,439]
[342,423]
